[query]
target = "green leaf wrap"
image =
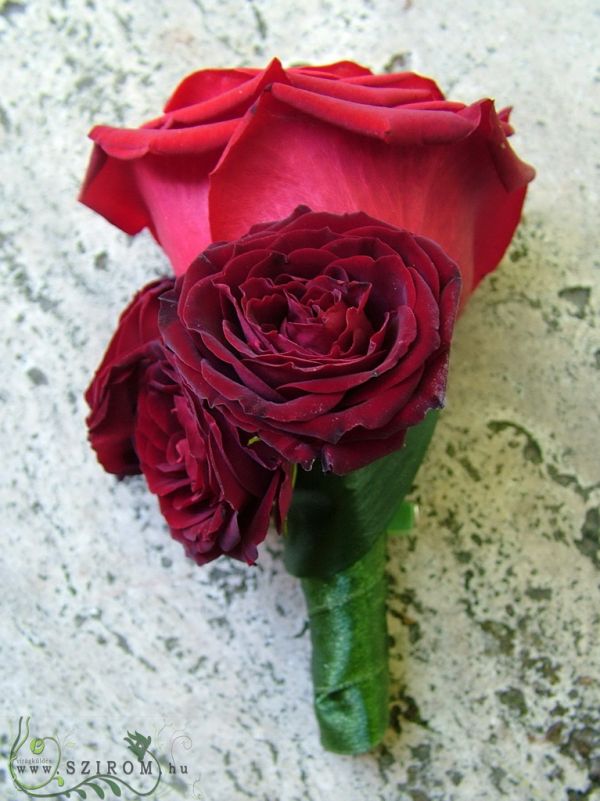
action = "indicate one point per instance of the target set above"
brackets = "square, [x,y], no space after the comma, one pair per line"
[350,653]
[335,542]
[334,520]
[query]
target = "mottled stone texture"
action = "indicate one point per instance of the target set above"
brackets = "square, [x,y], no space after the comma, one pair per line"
[493,602]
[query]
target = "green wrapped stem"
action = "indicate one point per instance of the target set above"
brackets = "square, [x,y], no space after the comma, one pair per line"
[334,543]
[350,653]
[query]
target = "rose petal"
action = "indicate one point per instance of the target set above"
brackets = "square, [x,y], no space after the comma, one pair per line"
[447,192]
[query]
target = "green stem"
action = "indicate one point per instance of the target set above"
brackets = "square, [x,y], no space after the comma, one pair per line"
[350,653]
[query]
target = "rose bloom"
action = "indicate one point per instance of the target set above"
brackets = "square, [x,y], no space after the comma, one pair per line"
[240,146]
[216,491]
[324,335]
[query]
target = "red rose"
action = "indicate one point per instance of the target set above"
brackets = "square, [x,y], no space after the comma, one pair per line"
[112,395]
[324,335]
[215,490]
[236,147]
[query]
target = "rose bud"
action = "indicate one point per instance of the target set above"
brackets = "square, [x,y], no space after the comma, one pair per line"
[324,335]
[216,490]
[241,146]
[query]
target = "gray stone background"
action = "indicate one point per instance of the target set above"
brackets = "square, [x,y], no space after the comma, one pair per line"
[494,602]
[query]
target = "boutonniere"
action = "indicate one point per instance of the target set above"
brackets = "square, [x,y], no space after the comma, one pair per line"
[325,225]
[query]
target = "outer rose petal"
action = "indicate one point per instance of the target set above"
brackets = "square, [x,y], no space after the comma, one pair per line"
[113,390]
[167,194]
[231,104]
[207,84]
[453,191]
[334,136]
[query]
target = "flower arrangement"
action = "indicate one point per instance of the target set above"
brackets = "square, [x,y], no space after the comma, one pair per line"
[325,225]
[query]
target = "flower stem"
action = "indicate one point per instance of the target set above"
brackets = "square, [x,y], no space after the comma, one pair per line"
[350,653]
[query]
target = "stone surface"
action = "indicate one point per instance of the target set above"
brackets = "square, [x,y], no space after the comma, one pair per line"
[493,602]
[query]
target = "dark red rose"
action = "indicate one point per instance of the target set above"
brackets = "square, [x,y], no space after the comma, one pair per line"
[216,490]
[112,396]
[324,335]
[237,147]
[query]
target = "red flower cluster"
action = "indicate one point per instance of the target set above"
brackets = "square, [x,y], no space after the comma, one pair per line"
[216,491]
[324,335]
[319,336]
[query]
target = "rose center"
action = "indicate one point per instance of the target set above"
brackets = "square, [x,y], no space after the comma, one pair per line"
[323,316]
